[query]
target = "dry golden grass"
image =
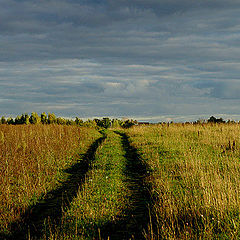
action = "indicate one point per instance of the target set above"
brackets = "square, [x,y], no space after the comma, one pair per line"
[195,179]
[32,158]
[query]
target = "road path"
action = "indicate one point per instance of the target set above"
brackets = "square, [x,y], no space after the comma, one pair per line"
[50,209]
[134,222]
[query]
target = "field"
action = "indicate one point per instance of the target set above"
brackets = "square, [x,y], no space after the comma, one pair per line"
[195,179]
[169,181]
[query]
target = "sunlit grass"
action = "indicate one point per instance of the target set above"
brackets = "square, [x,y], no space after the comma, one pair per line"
[103,196]
[195,179]
[31,162]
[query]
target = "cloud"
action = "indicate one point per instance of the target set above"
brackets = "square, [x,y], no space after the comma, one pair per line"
[226,90]
[138,57]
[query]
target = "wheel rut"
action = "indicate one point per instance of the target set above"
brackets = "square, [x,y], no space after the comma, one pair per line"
[136,222]
[49,210]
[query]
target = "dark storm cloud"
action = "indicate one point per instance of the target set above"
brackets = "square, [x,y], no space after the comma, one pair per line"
[120,57]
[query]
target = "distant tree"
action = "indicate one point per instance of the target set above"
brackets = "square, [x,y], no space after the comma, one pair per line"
[27,118]
[106,122]
[128,123]
[115,123]
[3,120]
[90,123]
[231,121]
[52,118]
[97,121]
[24,119]
[61,121]
[44,119]
[10,121]
[18,120]
[70,122]
[212,119]
[78,121]
[199,121]
[34,118]
[220,120]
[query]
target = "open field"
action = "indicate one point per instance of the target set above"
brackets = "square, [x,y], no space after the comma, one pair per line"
[146,182]
[195,177]
[32,160]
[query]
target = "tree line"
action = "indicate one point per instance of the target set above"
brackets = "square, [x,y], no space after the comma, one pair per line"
[213,119]
[50,118]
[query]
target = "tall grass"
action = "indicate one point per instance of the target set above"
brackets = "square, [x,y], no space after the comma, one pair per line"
[195,179]
[32,158]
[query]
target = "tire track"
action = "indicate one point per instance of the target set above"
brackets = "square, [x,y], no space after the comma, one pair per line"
[137,221]
[34,220]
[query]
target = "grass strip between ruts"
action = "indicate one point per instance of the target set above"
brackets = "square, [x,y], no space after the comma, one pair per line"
[103,196]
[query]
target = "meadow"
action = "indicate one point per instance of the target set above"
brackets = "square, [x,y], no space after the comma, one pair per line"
[32,160]
[195,178]
[164,181]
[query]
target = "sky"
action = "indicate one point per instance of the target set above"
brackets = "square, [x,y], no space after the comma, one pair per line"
[151,60]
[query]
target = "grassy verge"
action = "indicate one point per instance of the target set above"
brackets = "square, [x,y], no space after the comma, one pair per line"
[195,178]
[32,160]
[103,196]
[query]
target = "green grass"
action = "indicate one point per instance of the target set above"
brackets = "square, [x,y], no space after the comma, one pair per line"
[102,198]
[195,179]
[191,171]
